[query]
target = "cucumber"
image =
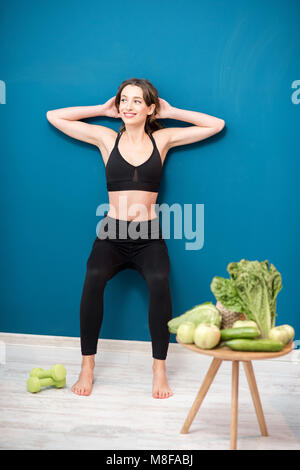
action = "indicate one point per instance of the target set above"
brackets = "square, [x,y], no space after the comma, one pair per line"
[265,345]
[235,333]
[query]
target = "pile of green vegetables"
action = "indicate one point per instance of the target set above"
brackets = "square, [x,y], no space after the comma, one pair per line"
[252,290]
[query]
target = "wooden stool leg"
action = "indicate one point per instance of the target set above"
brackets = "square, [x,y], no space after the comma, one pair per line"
[210,375]
[255,397]
[234,404]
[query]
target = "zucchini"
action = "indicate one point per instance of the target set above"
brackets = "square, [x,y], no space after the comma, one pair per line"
[235,333]
[256,345]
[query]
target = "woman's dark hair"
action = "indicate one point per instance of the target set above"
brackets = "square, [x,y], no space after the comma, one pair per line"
[150,96]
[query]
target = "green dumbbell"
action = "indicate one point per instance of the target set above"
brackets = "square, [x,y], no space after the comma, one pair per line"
[57,372]
[34,384]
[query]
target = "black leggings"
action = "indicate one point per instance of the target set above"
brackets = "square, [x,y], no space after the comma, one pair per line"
[111,255]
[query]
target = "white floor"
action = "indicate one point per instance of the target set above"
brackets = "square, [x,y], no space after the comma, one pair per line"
[121,413]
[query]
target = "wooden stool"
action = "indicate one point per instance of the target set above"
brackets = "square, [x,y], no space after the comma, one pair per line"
[226,354]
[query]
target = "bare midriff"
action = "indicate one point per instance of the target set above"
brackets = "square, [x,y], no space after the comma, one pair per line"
[132,205]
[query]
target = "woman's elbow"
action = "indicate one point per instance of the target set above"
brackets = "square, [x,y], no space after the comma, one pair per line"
[222,124]
[48,114]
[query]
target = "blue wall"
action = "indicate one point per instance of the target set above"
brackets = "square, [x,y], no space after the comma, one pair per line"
[234,60]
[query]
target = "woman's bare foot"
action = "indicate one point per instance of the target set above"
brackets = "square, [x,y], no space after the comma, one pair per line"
[84,384]
[160,387]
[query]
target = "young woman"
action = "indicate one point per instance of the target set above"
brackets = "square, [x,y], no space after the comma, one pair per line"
[133,160]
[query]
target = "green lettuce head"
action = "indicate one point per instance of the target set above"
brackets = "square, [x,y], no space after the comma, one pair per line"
[202,313]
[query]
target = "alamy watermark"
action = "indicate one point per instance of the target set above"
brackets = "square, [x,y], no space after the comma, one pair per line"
[295,96]
[2,92]
[183,222]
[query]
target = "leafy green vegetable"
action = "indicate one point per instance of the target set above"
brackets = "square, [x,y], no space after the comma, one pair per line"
[252,289]
[202,313]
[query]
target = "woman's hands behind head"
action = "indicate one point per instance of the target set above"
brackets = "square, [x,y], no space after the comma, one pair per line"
[109,108]
[164,111]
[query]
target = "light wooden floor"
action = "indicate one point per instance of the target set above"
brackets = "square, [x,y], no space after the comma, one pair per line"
[121,413]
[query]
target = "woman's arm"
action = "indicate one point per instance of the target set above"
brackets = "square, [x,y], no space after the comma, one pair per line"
[199,119]
[76,112]
[68,121]
[204,125]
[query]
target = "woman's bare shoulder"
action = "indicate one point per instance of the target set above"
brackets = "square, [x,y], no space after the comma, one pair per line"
[161,138]
[161,135]
[106,142]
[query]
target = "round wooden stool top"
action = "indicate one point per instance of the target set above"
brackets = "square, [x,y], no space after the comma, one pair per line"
[226,354]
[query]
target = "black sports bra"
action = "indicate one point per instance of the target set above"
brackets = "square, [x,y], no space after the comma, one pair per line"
[122,176]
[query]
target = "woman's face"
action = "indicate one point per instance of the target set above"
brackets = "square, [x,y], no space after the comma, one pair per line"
[132,106]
